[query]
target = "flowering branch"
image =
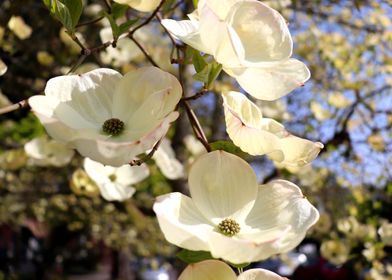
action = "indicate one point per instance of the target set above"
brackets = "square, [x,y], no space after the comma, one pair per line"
[149,58]
[197,129]
[14,107]
[197,95]
[138,162]
[147,21]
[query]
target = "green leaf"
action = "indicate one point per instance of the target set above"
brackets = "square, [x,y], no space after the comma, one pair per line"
[241,265]
[229,147]
[118,10]
[198,61]
[208,74]
[68,12]
[75,8]
[61,12]
[215,70]
[193,256]
[123,28]
[113,25]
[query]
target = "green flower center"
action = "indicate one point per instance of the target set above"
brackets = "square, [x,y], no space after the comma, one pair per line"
[113,127]
[112,177]
[229,227]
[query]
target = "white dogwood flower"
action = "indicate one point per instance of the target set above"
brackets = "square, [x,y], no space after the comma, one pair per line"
[3,68]
[250,40]
[141,5]
[108,117]
[214,269]
[230,215]
[46,152]
[19,27]
[258,136]
[115,183]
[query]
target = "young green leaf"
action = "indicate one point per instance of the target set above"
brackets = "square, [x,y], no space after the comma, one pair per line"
[198,61]
[75,8]
[193,256]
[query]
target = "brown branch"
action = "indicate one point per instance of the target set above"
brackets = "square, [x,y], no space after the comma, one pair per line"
[149,58]
[197,95]
[197,129]
[147,21]
[138,162]
[14,107]
[89,22]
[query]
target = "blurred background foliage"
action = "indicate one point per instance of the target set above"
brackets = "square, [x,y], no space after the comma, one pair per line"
[347,105]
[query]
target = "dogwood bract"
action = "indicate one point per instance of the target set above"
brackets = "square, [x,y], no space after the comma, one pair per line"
[250,40]
[44,152]
[214,269]
[108,117]
[258,136]
[230,215]
[141,5]
[115,183]
[166,161]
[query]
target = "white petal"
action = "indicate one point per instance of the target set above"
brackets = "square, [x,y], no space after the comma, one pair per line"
[259,274]
[296,151]
[246,127]
[281,203]
[54,127]
[166,161]
[273,80]
[150,113]
[137,86]
[181,222]
[87,96]
[129,175]
[188,32]
[97,171]
[115,192]
[216,5]
[222,185]
[258,136]
[224,45]
[141,5]
[110,152]
[208,270]
[262,31]
[239,251]
[3,68]
[43,105]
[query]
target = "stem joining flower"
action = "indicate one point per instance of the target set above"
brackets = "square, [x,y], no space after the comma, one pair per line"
[113,127]
[229,227]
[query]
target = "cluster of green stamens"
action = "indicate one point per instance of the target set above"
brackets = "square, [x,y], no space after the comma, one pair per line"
[112,177]
[113,127]
[229,227]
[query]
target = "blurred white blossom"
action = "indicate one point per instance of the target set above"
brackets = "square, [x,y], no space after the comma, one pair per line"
[115,183]
[48,152]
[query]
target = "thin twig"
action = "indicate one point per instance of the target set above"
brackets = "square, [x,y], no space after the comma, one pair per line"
[175,46]
[138,162]
[14,107]
[147,21]
[149,58]
[197,129]
[77,64]
[89,22]
[197,95]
